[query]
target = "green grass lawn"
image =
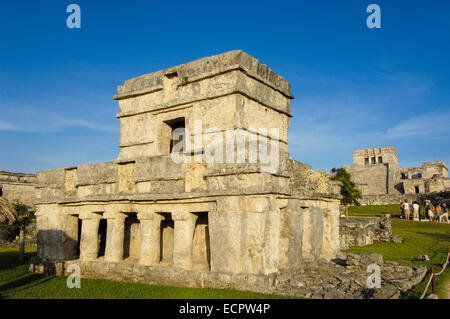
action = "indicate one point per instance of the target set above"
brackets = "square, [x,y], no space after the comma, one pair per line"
[421,238]
[374,210]
[17,282]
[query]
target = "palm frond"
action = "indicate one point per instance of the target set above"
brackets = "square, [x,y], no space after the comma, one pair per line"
[8,214]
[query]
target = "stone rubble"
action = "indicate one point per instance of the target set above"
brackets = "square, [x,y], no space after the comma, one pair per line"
[366,231]
[347,279]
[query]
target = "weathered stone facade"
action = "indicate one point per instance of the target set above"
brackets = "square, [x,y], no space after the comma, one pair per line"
[200,223]
[381,180]
[18,187]
[365,231]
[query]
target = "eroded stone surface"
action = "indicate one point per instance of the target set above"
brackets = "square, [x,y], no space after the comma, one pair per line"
[330,280]
[365,231]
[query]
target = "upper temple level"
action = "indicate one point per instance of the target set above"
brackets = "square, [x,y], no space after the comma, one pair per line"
[377,155]
[226,91]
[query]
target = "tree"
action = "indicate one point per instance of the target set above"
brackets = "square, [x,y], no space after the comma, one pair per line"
[11,228]
[350,194]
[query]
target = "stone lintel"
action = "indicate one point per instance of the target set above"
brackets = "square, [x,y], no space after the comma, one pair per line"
[90,215]
[282,202]
[119,207]
[70,210]
[179,215]
[114,215]
[256,204]
[149,215]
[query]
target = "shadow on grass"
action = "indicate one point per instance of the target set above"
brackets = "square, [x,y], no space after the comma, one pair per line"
[22,278]
[437,236]
[10,259]
[27,282]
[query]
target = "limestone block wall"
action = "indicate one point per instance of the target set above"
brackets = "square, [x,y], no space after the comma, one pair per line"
[18,187]
[437,184]
[157,176]
[228,91]
[320,237]
[386,199]
[364,231]
[374,177]
[447,184]
[410,186]
[371,156]
[307,182]
[429,169]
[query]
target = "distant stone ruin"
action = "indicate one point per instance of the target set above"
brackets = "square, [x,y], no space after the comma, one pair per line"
[146,217]
[381,180]
[18,187]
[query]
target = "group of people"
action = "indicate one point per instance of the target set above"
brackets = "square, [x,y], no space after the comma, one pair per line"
[438,213]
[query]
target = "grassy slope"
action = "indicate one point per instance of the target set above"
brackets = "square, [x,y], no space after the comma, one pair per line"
[421,238]
[17,282]
[374,210]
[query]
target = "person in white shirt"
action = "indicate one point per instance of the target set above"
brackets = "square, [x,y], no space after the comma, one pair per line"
[406,209]
[415,207]
[444,213]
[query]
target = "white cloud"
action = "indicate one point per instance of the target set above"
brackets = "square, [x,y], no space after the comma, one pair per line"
[430,125]
[42,122]
[5,126]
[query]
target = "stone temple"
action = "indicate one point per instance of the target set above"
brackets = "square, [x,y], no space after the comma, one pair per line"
[144,217]
[18,187]
[382,180]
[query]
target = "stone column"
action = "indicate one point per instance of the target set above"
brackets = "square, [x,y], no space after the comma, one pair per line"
[115,235]
[150,252]
[183,238]
[89,236]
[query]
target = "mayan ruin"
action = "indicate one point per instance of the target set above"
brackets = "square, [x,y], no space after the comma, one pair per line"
[216,221]
[382,180]
[18,187]
[211,159]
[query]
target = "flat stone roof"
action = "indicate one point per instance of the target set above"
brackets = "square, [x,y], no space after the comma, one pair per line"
[224,62]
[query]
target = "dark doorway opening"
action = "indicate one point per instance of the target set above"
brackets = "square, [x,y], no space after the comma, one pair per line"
[80,222]
[166,239]
[132,236]
[102,238]
[201,255]
[177,126]
[416,189]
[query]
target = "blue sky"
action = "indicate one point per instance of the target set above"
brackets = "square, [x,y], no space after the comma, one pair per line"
[355,87]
